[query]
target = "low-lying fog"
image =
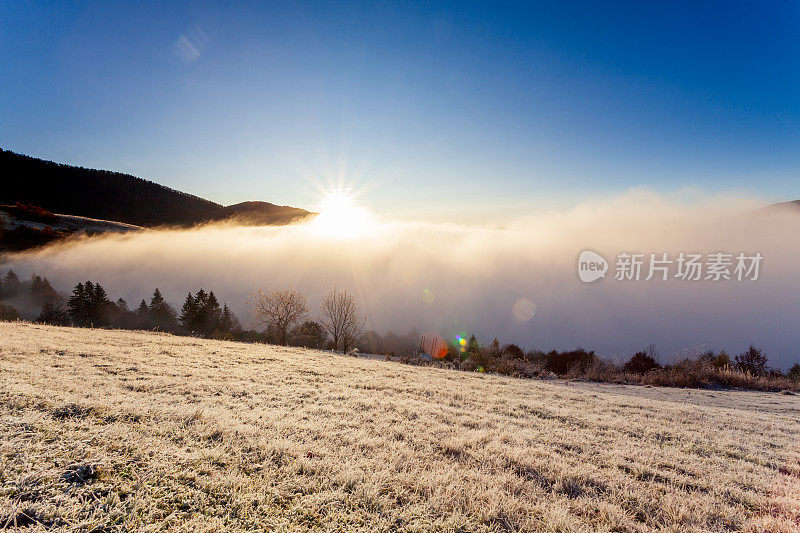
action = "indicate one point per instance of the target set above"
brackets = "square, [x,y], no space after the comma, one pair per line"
[518,283]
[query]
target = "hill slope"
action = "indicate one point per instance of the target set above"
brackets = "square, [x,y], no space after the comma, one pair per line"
[264,213]
[25,227]
[792,207]
[128,430]
[106,195]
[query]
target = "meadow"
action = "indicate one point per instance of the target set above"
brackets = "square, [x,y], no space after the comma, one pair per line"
[110,430]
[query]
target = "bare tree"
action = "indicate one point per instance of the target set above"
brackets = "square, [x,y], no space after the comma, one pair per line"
[278,310]
[341,318]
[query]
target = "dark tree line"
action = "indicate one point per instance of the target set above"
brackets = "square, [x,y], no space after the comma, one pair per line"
[37,289]
[201,314]
[27,298]
[90,306]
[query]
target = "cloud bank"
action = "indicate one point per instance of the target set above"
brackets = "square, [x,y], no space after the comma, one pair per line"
[518,283]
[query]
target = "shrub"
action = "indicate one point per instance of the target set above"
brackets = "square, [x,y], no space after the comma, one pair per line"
[477,358]
[794,372]
[685,373]
[309,334]
[602,371]
[516,367]
[571,361]
[513,351]
[34,213]
[753,361]
[53,314]
[641,363]
[536,357]
[8,313]
[24,237]
[473,347]
[453,353]
[722,360]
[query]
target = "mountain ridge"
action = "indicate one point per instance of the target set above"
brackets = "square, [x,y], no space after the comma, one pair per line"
[120,197]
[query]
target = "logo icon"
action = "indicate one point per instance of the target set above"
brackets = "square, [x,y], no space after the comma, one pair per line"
[591,266]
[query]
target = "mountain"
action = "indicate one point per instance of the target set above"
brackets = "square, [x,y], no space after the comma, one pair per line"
[114,196]
[787,211]
[783,207]
[264,213]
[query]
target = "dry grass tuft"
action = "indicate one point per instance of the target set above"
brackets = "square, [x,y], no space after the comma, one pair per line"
[155,432]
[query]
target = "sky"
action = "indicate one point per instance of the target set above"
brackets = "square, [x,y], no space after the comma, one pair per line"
[444,111]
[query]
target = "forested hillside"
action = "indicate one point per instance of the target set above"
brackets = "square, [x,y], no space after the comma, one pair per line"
[108,195]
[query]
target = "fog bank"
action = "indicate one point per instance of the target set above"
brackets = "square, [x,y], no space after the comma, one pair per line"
[518,283]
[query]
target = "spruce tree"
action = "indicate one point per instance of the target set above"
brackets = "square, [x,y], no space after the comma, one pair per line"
[225,320]
[77,306]
[162,313]
[143,320]
[212,314]
[188,312]
[53,314]
[11,285]
[100,306]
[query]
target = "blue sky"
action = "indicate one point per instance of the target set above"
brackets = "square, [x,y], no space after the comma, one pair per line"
[459,111]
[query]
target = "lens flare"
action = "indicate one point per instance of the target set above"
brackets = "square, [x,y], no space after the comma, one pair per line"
[428,296]
[523,309]
[461,343]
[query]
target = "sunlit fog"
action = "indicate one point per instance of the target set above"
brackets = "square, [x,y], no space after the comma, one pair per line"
[518,282]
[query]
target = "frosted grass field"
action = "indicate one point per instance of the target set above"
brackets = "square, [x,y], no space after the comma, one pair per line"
[118,430]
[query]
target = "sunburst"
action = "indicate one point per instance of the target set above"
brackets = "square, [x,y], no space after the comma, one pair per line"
[341,217]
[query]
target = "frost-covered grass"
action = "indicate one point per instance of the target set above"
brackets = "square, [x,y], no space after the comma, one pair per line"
[122,430]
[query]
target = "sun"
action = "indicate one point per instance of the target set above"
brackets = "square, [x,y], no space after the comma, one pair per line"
[341,217]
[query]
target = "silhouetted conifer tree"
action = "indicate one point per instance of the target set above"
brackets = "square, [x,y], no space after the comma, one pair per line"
[41,291]
[54,314]
[213,314]
[143,316]
[89,305]
[188,313]
[11,286]
[100,306]
[161,313]
[78,306]
[202,315]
